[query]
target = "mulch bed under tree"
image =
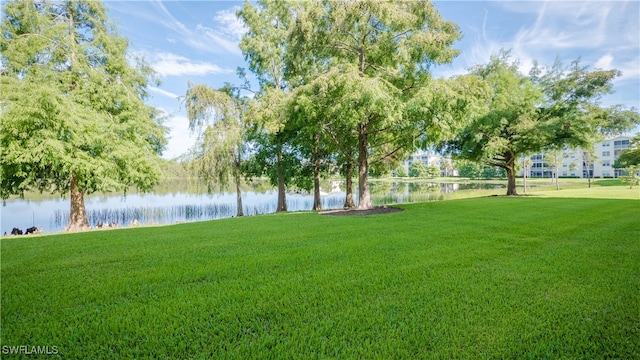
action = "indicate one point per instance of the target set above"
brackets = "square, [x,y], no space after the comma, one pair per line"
[355,212]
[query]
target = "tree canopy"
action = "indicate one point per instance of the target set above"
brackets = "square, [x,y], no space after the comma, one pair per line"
[264,46]
[553,107]
[74,118]
[220,117]
[372,56]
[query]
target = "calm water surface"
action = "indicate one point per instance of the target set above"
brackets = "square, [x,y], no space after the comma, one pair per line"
[175,207]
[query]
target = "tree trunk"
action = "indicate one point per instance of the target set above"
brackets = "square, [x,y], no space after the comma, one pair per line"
[364,196]
[524,177]
[282,196]
[78,214]
[317,201]
[511,181]
[511,174]
[348,200]
[238,190]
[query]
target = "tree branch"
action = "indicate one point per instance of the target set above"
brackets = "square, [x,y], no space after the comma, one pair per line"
[336,141]
[387,154]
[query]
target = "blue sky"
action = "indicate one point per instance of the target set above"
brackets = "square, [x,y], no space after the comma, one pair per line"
[197,41]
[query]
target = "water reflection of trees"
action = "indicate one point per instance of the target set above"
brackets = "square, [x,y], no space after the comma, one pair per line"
[196,186]
[407,192]
[417,188]
[480,186]
[187,212]
[197,208]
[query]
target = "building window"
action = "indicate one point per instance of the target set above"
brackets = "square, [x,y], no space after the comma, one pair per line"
[605,144]
[606,163]
[621,144]
[606,153]
[606,174]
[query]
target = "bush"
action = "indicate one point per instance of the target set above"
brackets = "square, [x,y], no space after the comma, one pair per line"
[418,169]
[400,171]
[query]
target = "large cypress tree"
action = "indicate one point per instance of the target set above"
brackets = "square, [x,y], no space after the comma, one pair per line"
[381,52]
[74,120]
[264,46]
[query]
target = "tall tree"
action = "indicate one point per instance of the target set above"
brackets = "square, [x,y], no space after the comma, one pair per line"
[74,118]
[264,45]
[272,153]
[551,107]
[505,130]
[526,167]
[220,115]
[383,51]
[553,159]
[309,119]
[588,160]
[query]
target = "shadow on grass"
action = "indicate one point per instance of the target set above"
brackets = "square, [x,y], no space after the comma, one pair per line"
[609,182]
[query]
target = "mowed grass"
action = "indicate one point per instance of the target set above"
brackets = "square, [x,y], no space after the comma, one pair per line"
[602,189]
[503,278]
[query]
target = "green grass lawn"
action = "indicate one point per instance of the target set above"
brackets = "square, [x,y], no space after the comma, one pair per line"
[503,278]
[578,188]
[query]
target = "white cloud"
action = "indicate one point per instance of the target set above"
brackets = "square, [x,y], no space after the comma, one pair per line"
[604,34]
[561,25]
[601,34]
[219,40]
[168,64]
[180,136]
[229,23]
[227,33]
[163,92]
[223,38]
[485,46]
[605,62]
[579,24]
[630,72]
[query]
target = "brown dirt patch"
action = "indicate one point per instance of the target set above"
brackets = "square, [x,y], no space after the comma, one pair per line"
[355,212]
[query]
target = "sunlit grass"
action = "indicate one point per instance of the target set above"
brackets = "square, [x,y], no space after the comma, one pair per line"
[600,192]
[493,277]
[568,188]
[579,188]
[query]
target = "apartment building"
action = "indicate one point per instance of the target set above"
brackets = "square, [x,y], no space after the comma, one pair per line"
[430,158]
[579,163]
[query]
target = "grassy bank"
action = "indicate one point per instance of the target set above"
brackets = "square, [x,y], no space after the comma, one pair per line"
[499,277]
[569,187]
[600,189]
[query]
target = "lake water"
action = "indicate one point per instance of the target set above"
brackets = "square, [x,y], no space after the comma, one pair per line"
[175,207]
